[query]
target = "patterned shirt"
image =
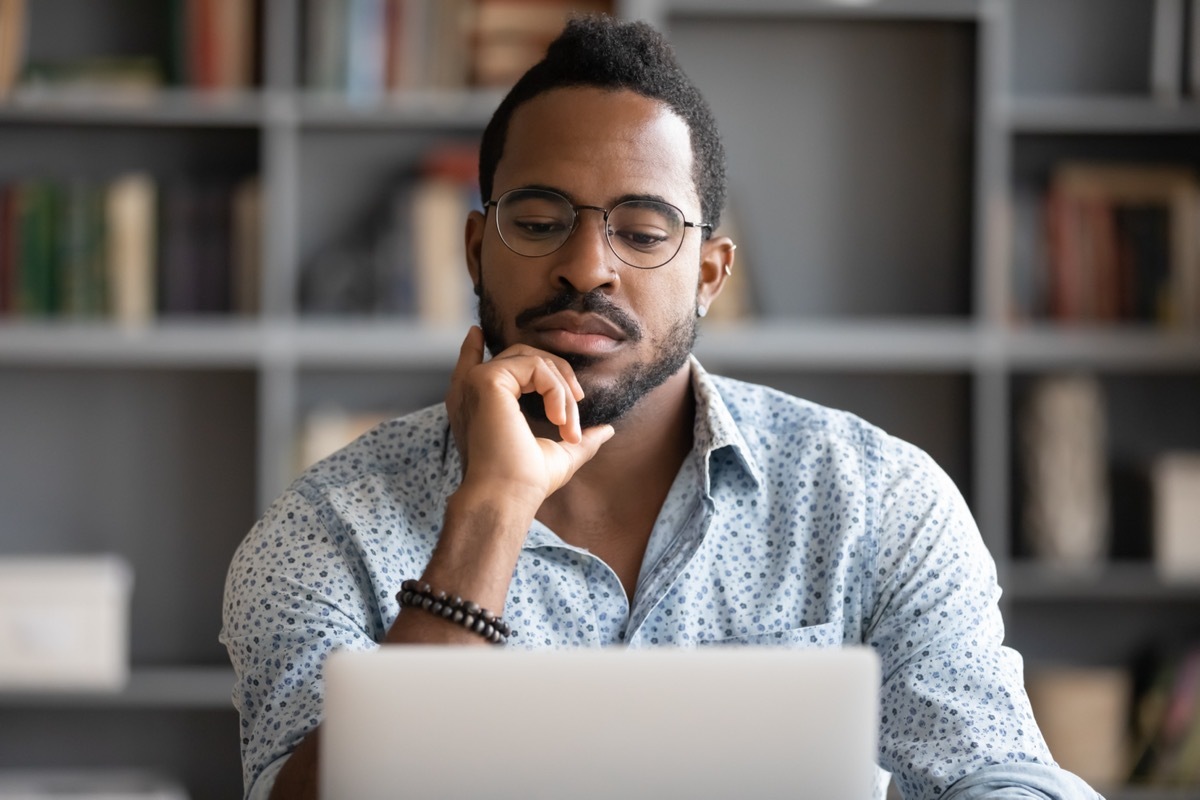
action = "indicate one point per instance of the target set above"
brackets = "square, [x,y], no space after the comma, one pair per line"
[789,524]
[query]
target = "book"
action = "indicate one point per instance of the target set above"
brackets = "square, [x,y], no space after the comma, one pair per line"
[13,35]
[178,263]
[365,50]
[1193,60]
[509,36]
[234,33]
[211,236]
[1166,719]
[1175,482]
[1166,51]
[449,26]
[81,282]
[132,221]
[37,213]
[8,249]
[247,251]
[1111,255]
[440,204]
[1062,434]
[326,42]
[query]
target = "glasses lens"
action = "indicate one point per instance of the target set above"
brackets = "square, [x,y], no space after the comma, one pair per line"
[645,233]
[534,223]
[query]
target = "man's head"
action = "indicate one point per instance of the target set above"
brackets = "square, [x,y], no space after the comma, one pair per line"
[606,53]
[589,141]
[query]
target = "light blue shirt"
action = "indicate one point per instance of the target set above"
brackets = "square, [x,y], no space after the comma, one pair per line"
[789,524]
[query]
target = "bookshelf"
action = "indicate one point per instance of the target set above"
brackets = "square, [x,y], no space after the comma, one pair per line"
[873,210]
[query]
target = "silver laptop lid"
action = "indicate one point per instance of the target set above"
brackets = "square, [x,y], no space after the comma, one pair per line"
[447,722]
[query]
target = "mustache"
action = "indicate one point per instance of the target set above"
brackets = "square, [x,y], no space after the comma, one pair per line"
[593,302]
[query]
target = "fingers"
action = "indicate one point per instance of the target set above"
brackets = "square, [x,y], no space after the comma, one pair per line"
[523,369]
[581,452]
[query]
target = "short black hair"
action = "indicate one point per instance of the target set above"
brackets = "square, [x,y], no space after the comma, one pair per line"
[597,50]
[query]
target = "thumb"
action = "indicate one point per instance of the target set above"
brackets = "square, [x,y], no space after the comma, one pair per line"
[589,444]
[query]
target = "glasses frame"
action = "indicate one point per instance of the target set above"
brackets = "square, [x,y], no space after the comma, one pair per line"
[575,209]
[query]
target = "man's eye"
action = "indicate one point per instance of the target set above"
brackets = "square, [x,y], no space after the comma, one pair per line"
[641,239]
[537,228]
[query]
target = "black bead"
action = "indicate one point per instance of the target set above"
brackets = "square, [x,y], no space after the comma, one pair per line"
[473,608]
[446,612]
[426,603]
[458,615]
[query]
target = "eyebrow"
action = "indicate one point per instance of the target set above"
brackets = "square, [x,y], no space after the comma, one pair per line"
[625,198]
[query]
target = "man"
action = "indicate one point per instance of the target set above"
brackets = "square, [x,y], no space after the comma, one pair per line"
[594,486]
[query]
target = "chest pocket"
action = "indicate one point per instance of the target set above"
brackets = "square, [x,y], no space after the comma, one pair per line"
[829,634]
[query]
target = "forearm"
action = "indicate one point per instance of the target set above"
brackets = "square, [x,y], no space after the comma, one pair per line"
[297,779]
[475,557]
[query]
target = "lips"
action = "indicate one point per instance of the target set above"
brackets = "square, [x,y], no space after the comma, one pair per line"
[571,333]
[573,322]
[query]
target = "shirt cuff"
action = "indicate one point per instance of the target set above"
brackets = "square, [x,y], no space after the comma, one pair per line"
[261,790]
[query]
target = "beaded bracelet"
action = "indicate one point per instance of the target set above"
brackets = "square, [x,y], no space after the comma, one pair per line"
[453,608]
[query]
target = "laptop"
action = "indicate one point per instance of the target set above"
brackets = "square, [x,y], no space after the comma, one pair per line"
[457,722]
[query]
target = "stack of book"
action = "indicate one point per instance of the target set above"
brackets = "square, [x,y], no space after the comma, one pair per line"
[368,49]
[129,249]
[213,48]
[408,258]
[510,36]
[1166,719]
[1110,243]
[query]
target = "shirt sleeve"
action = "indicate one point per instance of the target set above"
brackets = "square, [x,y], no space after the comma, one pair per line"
[291,598]
[955,721]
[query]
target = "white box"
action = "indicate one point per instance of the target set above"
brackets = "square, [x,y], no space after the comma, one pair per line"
[1176,483]
[64,622]
[104,784]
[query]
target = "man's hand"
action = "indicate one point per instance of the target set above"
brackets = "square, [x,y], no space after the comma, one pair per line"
[498,448]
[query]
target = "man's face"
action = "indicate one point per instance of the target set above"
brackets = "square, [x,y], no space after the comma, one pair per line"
[624,330]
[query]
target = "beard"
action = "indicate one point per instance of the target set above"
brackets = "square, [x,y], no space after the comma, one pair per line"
[602,404]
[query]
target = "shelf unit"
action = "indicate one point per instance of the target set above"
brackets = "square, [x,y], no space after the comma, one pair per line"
[872,208]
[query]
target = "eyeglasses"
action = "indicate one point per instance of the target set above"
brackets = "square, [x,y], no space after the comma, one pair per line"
[643,233]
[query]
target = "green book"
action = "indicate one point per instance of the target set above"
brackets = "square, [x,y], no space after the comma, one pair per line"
[36,271]
[81,263]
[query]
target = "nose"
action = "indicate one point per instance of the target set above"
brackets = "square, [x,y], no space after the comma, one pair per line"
[585,262]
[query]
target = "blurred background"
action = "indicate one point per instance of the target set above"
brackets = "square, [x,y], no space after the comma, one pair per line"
[230,240]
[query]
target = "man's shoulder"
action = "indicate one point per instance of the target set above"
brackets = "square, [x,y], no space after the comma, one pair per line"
[418,442]
[792,427]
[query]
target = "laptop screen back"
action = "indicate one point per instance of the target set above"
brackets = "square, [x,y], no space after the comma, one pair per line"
[447,722]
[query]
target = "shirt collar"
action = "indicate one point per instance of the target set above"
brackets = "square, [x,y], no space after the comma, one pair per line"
[716,428]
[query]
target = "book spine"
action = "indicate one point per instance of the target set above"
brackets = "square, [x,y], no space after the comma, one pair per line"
[8,250]
[130,216]
[1166,50]
[13,34]
[366,51]
[37,269]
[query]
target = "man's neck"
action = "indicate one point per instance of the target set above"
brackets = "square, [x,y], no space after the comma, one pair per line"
[628,480]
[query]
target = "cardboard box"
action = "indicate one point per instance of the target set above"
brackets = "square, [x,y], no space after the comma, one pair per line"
[64,622]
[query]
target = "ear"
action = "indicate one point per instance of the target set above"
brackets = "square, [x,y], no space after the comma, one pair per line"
[476,225]
[716,264]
